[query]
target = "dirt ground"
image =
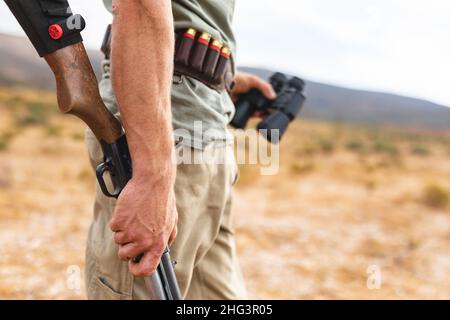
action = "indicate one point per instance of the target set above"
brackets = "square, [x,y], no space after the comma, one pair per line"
[353,213]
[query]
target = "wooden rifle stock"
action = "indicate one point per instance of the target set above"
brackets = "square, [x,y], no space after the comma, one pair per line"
[77,92]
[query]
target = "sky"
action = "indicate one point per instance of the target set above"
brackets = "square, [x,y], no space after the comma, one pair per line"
[396,46]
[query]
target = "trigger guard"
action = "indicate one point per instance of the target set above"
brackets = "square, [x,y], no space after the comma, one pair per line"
[100,171]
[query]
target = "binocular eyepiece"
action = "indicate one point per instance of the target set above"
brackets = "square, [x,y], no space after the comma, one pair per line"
[277,114]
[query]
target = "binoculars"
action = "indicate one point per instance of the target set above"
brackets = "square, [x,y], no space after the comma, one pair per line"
[277,114]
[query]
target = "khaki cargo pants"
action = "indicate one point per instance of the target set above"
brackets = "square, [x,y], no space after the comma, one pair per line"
[207,265]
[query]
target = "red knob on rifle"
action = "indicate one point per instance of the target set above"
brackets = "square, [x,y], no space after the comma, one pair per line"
[55,31]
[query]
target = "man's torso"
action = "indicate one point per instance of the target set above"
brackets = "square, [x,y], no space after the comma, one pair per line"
[192,101]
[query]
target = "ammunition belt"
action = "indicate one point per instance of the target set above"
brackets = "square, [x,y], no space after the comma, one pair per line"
[197,55]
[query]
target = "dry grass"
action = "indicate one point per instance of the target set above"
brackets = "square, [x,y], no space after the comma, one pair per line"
[345,198]
[313,230]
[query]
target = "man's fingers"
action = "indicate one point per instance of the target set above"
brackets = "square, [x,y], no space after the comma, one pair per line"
[149,261]
[267,90]
[121,238]
[246,82]
[116,223]
[146,266]
[258,114]
[265,87]
[129,251]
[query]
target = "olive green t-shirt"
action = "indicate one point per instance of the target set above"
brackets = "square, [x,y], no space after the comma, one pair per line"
[200,114]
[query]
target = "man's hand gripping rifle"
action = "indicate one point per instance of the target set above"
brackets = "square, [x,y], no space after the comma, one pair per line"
[55,33]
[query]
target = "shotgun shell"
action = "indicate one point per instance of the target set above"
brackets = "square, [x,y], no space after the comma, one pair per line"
[226,53]
[212,57]
[185,47]
[204,38]
[199,53]
[224,59]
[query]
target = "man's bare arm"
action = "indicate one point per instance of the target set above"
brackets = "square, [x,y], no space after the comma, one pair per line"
[142,68]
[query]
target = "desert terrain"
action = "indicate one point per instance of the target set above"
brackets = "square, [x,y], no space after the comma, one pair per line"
[347,200]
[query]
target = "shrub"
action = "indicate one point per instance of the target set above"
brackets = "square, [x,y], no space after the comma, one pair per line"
[420,150]
[4,144]
[78,136]
[35,113]
[355,145]
[5,140]
[54,131]
[326,145]
[385,147]
[435,196]
[302,168]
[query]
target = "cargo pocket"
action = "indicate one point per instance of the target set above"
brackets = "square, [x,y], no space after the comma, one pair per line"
[102,290]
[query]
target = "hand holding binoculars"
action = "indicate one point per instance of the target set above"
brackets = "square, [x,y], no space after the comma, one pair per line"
[278,113]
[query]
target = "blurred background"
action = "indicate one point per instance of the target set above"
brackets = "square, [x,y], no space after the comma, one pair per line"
[360,207]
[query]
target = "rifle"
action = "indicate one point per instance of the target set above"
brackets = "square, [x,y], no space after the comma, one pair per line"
[77,94]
